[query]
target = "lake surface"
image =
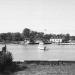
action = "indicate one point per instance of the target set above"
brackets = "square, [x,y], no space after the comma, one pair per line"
[31,52]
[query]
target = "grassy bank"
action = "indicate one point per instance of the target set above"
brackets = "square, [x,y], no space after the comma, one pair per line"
[41,68]
[47,68]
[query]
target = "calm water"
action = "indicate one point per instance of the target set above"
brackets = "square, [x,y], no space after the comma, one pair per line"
[31,52]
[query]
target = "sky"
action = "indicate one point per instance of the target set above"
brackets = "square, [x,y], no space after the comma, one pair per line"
[48,16]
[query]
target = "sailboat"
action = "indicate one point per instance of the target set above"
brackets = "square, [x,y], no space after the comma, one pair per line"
[41,46]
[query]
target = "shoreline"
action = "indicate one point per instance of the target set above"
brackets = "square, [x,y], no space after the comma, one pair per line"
[39,61]
[37,43]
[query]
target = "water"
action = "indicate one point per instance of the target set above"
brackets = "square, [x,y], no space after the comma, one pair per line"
[31,52]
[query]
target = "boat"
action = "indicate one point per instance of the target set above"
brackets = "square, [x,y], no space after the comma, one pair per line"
[41,46]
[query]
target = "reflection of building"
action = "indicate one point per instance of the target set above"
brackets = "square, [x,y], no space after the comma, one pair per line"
[55,40]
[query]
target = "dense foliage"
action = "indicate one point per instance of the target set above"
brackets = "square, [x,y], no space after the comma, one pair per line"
[32,36]
[9,37]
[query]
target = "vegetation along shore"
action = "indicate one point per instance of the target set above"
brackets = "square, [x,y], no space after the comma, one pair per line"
[41,68]
[33,37]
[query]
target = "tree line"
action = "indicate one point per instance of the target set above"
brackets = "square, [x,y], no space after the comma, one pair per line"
[33,36]
[8,37]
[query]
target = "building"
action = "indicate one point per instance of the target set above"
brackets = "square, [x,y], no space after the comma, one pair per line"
[55,40]
[71,41]
[38,41]
[26,41]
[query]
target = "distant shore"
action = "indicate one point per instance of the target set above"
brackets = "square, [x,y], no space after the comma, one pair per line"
[18,42]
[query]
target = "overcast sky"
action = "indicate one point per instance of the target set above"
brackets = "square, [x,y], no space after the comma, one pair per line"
[50,16]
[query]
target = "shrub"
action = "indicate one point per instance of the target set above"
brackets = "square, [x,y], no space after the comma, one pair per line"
[5,60]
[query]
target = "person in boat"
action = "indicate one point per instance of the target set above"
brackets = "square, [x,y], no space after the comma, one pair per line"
[44,48]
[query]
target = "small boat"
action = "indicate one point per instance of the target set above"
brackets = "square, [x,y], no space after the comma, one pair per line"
[41,46]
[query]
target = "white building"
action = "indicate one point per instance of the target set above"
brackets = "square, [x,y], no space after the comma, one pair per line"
[26,41]
[55,40]
[38,41]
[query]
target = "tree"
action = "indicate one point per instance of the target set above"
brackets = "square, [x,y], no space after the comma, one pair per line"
[26,33]
[46,38]
[33,36]
[66,38]
[3,37]
[17,36]
[9,37]
[72,37]
[40,35]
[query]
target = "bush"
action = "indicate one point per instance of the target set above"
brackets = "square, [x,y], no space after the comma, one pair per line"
[5,60]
